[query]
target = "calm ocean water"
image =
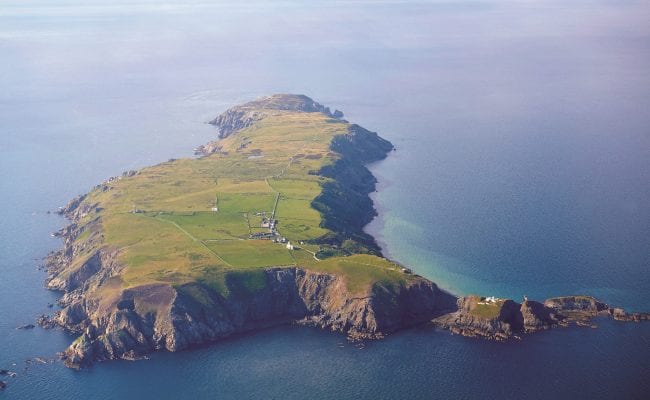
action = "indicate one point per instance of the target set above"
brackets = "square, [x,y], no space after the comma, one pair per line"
[522,168]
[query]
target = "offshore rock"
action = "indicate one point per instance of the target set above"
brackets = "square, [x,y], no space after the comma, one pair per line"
[502,319]
[46,321]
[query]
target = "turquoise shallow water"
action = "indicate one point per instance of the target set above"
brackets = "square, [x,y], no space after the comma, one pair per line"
[521,168]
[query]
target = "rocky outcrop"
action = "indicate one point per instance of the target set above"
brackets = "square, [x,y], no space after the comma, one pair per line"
[503,319]
[154,317]
[46,321]
[583,304]
[76,277]
[245,115]
[536,316]
[585,307]
[500,325]
[620,314]
[72,205]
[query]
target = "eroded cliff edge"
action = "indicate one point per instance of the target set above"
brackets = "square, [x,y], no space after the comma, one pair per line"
[155,317]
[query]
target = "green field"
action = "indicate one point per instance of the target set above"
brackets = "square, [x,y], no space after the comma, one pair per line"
[488,311]
[252,253]
[210,225]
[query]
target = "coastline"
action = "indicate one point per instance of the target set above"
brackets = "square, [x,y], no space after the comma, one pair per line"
[134,321]
[378,223]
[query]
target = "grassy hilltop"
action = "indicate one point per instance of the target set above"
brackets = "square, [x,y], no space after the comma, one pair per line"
[191,220]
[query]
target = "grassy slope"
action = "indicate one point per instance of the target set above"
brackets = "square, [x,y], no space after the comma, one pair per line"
[488,311]
[176,238]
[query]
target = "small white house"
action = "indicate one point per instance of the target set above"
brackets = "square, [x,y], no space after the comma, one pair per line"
[289,246]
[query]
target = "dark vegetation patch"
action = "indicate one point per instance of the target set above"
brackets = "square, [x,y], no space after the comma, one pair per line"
[344,202]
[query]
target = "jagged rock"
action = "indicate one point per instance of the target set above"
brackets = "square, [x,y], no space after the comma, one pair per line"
[621,315]
[584,304]
[536,316]
[208,148]
[46,322]
[76,278]
[3,385]
[72,204]
[26,326]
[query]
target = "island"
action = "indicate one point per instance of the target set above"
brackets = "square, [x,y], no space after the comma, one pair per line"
[264,227]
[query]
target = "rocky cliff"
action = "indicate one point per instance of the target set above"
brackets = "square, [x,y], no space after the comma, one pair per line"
[245,115]
[503,319]
[135,321]
[344,203]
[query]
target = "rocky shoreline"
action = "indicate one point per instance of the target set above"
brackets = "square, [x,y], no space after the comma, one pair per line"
[156,317]
[163,317]
[505,319]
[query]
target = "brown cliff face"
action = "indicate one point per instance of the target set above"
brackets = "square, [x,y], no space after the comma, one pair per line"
[536,316]
[501,324]
[498,321]
[153,317]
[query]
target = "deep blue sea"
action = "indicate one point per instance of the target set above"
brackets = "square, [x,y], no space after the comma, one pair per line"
[522,168]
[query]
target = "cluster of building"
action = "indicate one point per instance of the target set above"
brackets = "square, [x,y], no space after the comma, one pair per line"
[270,224]
[489,300]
